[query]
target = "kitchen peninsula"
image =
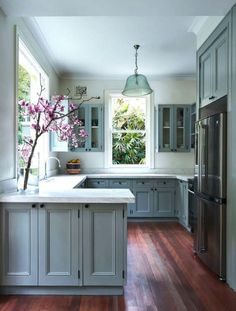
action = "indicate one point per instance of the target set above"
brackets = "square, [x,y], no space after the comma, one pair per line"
[64,240]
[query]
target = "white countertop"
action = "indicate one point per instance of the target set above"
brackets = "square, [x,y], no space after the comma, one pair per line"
[59,189]
[72,196]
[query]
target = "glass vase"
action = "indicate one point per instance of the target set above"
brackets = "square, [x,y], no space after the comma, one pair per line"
[32,184]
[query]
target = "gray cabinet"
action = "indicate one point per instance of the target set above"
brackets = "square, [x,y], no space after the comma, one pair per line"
[183,202]
[91,117]
[60,244]
[174,128]
[144,200]
[213,70]
[19,244]
[97,183]
[164,204]
[103,233]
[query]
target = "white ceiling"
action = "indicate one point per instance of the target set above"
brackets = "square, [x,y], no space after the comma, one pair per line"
[94,39]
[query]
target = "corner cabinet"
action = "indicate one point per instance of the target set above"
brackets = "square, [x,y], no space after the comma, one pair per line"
[91,117]
[213,59]
[174,128]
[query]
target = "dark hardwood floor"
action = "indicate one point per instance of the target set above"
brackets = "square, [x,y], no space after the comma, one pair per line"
[163,275]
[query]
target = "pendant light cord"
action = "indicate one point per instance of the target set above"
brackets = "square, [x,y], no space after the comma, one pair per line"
[136,59]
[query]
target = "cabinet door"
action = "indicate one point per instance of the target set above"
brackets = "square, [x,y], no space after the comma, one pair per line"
[206,77]
[83,117]
[59,245]
[165,128]
[183,204]
[19,244]
[103,252]
[143,206]
[220,60]
[120,183]
[55,143]
[181,128]
[95,139]
[164,202]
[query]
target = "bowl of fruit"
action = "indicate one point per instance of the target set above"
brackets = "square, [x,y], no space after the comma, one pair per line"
[73,166]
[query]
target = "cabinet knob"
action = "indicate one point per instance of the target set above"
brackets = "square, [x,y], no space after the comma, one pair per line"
[98,182]
[41,205]
[152,189]
[176,150]
[142,182]
[86,205]
[89,149]
[155,189]
[33,205]
[86,149]
[172,149]
[119,182]
[211,97]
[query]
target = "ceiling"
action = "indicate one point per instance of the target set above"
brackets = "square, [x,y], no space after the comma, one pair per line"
[94,39]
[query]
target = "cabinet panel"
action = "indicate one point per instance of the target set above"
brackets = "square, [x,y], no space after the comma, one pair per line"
[120,183]
[183,203]
[103,244]
[143,206]
[206,73]
[220,49]
[164,203]
[97,183]
[59,250]
[19,244]
[165,128]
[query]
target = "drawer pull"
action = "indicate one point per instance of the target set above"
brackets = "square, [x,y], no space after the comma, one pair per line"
[41,205]
[86,205]
[33,205]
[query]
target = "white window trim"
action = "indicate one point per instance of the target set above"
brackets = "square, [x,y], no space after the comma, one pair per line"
[109,94]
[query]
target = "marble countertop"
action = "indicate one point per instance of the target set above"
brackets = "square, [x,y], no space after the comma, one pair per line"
[72,196]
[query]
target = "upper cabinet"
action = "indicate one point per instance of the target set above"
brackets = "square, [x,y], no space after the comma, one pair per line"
[174,128]
[91,117]
[213,67]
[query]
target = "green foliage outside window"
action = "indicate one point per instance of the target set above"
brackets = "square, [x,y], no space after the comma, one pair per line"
[128,139]
[23,93]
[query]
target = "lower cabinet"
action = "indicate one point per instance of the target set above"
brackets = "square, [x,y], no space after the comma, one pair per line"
[164,205]
[60,244]
[103,245]
[144,200]
[55,244]
[183,202]
[19,244]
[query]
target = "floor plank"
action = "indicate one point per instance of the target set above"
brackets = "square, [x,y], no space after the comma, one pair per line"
[163,275]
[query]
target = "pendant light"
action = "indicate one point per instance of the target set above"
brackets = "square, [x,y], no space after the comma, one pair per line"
[137,84]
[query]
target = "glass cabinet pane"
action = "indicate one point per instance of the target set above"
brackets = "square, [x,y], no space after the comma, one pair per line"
[81,117]
[95,120]
[180,128]
[166,126]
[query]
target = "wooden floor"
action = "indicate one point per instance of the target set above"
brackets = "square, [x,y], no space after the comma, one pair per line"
[163,275]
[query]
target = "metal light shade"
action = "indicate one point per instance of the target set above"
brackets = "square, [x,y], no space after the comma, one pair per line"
[137,85]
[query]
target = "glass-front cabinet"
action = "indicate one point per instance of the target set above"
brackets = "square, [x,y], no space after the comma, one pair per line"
[174,128]
[91,121]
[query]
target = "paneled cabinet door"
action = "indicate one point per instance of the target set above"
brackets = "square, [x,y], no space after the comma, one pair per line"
[183,203]
[220,60]
[19,244]
[60,243]
[213,70]
[103,252]
[165,128]
[181,128]
[143,206]
[164,202]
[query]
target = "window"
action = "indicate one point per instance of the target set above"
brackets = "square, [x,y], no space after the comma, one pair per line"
[30,75]
[128,138]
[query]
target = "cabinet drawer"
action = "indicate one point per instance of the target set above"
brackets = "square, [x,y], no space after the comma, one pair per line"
[165,183]
[97,183]
[143,183]
[120,183]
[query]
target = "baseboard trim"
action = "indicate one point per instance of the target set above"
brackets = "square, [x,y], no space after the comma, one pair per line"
[61,290]
[153,219]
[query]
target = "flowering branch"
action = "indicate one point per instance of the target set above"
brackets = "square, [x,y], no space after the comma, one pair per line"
[50,117]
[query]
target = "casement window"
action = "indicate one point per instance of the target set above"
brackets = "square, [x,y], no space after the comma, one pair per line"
[30,75]
[128,138]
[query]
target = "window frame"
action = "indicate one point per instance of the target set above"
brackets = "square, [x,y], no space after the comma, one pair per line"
[33,59]
[149,129]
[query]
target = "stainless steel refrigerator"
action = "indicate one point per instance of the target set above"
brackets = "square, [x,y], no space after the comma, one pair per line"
[210,192]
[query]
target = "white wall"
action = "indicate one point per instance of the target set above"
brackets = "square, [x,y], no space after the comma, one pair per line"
[7,89]
[166,91]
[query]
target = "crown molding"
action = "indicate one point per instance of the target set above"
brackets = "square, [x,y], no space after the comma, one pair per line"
[197,24]
[34,28]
